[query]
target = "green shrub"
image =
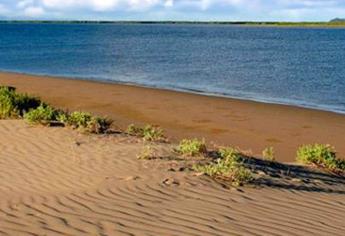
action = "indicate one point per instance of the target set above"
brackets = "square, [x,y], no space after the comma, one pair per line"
[192,147]
[8,106]
[134,130]
[62,117]
[99,125]
[341,164]
[320,154]
[230,153]
[43,114]
[148,133]
[86,122]
[25,103]
[268,154]
[10,88]
[228,169]
[151,133]
[15,105]
[229,166]
[79,119]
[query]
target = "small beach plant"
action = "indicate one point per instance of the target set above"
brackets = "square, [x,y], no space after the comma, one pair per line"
[134,130]
[323,155]
[99,125]
[8,107]
[229,166]
[268,154]
[341,164]
[148,133]
[10,88]
[15,105]
[86,122]
[192,147]
[79,119]
[152,133]
[44,114]
[230,153]
[62,117]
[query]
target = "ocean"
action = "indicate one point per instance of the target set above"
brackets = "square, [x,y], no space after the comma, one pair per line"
[295,66]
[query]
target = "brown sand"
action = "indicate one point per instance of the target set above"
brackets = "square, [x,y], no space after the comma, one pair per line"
[55,181]
[248,125]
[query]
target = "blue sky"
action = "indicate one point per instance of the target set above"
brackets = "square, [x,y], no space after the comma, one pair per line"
[233,10]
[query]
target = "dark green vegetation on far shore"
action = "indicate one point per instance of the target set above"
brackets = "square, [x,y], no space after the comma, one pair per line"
[333,23]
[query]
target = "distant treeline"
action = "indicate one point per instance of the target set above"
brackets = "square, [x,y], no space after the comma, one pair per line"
[336,22]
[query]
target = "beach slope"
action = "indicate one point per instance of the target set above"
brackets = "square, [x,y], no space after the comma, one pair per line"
[56,181]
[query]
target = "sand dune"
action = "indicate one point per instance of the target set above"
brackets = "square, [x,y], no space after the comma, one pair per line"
[55,181]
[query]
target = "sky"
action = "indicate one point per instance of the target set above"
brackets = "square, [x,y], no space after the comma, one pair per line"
[198,10]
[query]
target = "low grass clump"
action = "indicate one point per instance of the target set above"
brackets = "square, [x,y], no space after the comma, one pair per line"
[44,114]
[15,105]
[134,130]
[192,147]
[231,154]
[229,166]
[148,133]
[268,154]
[86,122]
[323,155]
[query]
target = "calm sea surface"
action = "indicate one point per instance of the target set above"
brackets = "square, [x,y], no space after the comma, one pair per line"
[304,67]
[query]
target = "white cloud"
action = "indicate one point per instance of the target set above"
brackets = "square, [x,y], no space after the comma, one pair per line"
[103,5]
[34,11]
[25,3]
[176,9]
[169,3]
[3,10]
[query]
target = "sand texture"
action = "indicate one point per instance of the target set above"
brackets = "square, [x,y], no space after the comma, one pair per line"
[56,181]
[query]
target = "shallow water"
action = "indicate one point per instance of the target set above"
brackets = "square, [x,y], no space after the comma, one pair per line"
[298,66]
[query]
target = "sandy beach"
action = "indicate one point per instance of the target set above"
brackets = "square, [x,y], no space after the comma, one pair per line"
[251,126]
[172,118]
[56,181]
[59,181]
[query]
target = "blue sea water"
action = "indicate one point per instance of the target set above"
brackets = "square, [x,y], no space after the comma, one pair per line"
[296,66]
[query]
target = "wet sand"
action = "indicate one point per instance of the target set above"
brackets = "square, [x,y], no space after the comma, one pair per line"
[244,124]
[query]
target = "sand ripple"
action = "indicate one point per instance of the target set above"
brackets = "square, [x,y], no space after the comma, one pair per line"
[54,181]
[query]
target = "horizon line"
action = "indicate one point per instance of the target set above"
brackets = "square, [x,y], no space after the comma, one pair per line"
[176,21]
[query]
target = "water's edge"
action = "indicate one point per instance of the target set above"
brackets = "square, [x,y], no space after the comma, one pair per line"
[190,91]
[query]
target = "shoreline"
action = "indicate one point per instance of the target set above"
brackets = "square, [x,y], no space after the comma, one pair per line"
[183,90]
[225,121]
